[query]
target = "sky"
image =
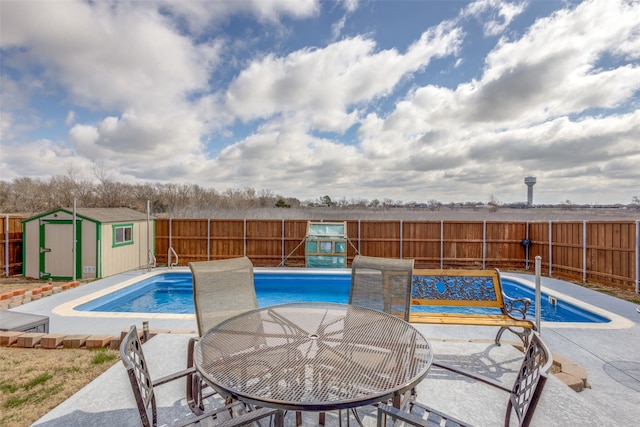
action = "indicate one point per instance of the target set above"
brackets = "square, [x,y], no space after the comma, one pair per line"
[452,101]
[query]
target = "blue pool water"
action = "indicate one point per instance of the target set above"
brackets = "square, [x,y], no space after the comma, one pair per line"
[172,293]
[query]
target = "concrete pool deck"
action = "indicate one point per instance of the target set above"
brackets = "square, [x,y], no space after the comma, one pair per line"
[610,357]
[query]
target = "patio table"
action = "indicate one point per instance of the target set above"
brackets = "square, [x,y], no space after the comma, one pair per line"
[313,357]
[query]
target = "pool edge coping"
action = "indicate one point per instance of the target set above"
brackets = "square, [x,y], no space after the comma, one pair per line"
[67,309]
[616,321]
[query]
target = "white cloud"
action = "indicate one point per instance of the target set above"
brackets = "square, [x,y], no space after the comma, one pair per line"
[71,117]
[495,15]
[143,95]
[516,115]
[40,159]
[109,56]
[200,15]
[333,79]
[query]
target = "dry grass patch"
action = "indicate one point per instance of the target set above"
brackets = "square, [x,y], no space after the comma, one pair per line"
[34,381]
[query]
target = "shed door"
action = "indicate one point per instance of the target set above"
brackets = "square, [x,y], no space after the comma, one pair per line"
[56,249]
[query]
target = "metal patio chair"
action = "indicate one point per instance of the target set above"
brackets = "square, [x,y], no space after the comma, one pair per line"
[221,289]
[383,284]
[229,415]
[523,395]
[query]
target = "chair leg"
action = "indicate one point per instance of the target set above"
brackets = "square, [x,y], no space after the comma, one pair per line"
[194,383]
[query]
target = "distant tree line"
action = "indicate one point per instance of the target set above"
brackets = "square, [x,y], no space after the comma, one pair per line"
[32,195]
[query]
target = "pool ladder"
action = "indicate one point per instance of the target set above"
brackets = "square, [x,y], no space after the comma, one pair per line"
[151,260]
[169,257]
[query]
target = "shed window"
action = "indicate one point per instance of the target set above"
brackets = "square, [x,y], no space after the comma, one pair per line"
[122,234]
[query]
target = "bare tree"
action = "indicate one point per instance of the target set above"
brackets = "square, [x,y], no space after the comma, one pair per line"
[60,192]
[29,195]
[267,198]
[5,195]
[143,193]
[109,193]
[83,188]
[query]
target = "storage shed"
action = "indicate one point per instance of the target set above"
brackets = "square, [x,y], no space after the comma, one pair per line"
[108,241]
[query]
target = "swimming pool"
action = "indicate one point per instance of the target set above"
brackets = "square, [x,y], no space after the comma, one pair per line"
[171,292]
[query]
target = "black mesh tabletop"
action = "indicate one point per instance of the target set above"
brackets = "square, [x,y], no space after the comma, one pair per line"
[313,356]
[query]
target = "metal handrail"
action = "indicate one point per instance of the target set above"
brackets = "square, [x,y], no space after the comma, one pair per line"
[151,260]
[171,251]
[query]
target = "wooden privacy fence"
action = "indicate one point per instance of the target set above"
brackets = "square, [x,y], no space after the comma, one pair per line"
[599,251]
[606,252]
[11,242]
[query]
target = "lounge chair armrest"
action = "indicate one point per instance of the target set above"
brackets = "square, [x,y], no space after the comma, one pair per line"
[473,375]
[190,349]
[173,376]
[516,307]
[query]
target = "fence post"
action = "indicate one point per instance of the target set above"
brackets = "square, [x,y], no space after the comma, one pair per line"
[584,252]
[169,257]
[6,246]
[359,245]
[441,243]
[245,236]
[538,293]
[526,248]
[484,243]
[401,224]
[208,239]
[75,241]
[282,243]
[550,248]
[638,257]
[148,235]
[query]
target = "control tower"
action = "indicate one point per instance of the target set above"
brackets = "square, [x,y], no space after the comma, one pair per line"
[530,181]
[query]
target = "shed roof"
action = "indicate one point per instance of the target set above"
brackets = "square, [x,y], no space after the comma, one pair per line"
[110,214]
[102,215]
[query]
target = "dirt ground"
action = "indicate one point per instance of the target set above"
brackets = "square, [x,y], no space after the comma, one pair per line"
[26,283]
[33,381]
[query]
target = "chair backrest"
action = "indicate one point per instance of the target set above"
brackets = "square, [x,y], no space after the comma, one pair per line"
[383,284]
[530,381]
[222,289]
[141,383]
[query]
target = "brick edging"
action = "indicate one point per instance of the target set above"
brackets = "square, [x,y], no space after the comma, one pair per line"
[19,296]
[64,341]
